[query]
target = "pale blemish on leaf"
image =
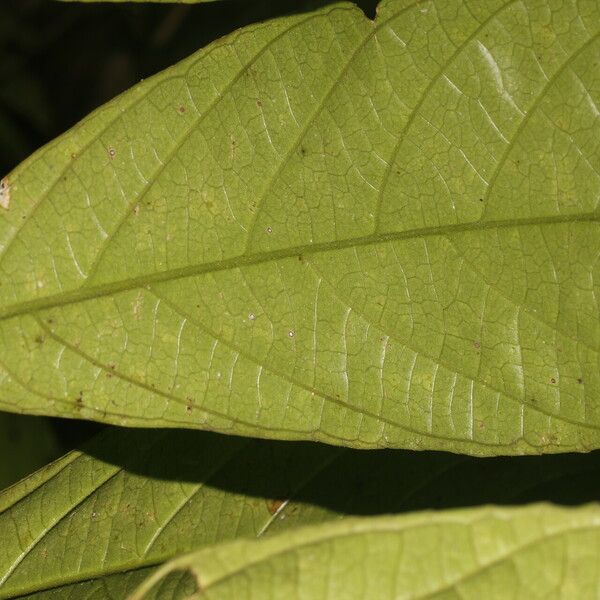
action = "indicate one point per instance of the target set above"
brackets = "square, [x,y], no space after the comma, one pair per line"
[4,193]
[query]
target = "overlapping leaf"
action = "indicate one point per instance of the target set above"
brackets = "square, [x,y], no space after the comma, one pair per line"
[95,524]
[322,227]
[539,552]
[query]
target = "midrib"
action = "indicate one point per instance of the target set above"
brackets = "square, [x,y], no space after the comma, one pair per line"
[102,290]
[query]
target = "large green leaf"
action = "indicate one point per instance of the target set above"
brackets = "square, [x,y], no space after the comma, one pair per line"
[322,227]
[95,524]
[539,552]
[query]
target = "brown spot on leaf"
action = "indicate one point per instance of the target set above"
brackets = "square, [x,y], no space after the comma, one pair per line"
[477,344]
[181,110]
[273,506]
[112,152]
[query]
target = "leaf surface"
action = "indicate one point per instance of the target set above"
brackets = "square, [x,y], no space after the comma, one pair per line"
[373,234]
[540,552]
[95,524]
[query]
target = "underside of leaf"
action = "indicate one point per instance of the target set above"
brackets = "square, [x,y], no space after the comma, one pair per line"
[98,522]
[534,553]
[373,234]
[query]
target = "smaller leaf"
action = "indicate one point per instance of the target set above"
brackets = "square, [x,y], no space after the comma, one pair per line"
[95,524]
[535,552]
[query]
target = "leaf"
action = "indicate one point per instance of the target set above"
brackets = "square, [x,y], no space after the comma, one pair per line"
[373,234]
[536,552]
[26,444]
[97,523]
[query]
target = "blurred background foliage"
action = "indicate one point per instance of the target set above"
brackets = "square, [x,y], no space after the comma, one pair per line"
[58,62]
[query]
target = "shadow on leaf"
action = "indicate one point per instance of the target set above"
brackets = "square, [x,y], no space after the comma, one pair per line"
[349,481]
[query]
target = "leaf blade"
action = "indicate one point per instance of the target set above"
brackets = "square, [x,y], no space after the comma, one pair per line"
[99,521]
[460,559]
[345,258]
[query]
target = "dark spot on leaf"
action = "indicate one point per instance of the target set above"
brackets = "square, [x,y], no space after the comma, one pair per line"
[553,380]
[258,103]
[477,344]
[181,110]
[274,505]
[39,339]
[579,380]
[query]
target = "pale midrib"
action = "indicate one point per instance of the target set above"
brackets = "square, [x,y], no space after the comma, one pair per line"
[235,262]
